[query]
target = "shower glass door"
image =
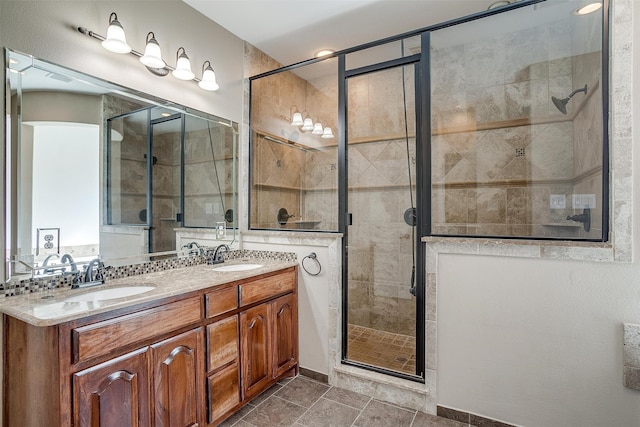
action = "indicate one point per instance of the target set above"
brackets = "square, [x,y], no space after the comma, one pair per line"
[381,249]
[166,143]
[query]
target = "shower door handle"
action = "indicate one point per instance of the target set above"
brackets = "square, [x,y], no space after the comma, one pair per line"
[349,218]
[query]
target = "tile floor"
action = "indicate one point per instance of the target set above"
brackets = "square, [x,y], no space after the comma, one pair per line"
[384,349]
[304,402]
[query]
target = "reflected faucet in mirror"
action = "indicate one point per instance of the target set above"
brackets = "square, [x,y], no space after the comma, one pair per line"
[194,248]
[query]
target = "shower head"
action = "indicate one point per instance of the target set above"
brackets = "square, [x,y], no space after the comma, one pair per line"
[561,104]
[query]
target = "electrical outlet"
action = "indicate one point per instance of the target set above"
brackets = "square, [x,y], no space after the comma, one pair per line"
[221,230]
[557,201]
[48,241]
[583,201]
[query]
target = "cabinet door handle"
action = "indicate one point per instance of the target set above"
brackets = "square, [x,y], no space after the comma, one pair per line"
[282,310]
[252,324]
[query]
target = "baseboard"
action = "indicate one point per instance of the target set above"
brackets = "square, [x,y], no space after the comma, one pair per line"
[469,418]
[317,376]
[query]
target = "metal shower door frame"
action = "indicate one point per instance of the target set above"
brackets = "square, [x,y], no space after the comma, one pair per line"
[423,153]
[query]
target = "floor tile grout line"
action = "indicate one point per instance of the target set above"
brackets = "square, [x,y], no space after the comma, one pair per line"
[361,411]
[311,406]
[413,419]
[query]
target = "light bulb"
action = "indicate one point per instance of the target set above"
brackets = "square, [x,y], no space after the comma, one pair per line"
[183,66]
[327,133]
[297,119]
[152,57]
[317,129]
[116,41]
[307,124]
[208,81]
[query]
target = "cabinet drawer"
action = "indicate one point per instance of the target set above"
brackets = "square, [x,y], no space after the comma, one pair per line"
[222,342]
[221,301]
[266,288]
[102,338]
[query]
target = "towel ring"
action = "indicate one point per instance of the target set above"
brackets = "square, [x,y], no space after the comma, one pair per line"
[314,257]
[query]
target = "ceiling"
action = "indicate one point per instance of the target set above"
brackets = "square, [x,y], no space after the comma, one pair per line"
[291,31]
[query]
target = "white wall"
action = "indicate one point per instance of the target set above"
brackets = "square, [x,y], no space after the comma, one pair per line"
[65,196]
[536,342]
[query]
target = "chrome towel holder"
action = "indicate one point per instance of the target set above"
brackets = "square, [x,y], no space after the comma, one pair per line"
[314,257]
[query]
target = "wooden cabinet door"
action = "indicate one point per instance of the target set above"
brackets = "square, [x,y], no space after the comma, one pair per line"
[176,367]
[114,393]
[285,333]
[223,390]
[256,350]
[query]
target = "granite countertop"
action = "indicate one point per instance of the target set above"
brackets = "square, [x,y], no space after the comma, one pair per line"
[53,307]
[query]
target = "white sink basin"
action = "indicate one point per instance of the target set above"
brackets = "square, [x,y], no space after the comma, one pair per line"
[111,293]
[238,267]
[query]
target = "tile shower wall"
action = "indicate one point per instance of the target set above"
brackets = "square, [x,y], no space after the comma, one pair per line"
[500,147]
[203,206]
[128,170]
[292,169]
[380,242]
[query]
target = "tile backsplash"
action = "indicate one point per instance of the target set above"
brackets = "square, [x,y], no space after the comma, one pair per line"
[42,283]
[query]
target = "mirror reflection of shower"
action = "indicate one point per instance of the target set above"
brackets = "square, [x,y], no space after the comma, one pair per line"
[561,103]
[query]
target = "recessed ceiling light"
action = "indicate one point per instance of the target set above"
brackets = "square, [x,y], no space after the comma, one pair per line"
[591,7]
[498,4]
[324,52]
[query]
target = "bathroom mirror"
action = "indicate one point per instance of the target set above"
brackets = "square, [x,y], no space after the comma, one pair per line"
[97,170]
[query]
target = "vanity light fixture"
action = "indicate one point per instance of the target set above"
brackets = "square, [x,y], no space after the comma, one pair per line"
[183,66]
[208,81]
[152,57]
[296,116]
[589,8]
[307,124]
[116,41]
[327,133]
[317,129]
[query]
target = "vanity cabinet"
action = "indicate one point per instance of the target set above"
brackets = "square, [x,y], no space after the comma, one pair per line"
[269,343]
[187,360]
[176,372]
[114,393]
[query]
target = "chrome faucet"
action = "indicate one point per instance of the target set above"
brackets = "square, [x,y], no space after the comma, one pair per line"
[98,265]
[218,256]
[45,263]
[46,260]
[67,258]
[194,248]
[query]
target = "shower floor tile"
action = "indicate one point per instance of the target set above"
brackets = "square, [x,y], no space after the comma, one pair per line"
[382,349]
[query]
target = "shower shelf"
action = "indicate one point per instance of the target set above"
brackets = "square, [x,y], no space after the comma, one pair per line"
[563,225]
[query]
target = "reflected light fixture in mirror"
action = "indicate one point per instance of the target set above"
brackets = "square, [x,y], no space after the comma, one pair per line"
[327,133]
[317,129]
[152,59]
